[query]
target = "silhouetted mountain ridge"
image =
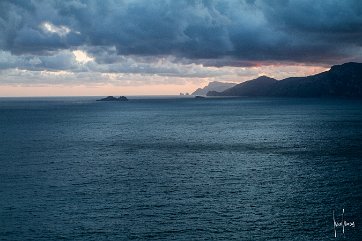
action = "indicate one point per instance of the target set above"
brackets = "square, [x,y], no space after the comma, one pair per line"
[341,80]
[256,87]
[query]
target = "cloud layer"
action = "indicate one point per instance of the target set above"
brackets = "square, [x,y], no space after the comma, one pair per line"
[183,38]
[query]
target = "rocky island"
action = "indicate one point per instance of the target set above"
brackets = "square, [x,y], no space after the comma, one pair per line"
[199,97]
[112,98]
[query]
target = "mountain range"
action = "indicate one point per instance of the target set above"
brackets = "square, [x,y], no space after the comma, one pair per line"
[340,81]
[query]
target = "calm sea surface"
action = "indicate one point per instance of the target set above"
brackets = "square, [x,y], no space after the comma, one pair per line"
[180,169]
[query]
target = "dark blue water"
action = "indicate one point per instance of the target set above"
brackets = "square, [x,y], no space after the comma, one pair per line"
[179,169]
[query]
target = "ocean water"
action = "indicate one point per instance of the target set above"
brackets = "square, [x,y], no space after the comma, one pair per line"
[180,169]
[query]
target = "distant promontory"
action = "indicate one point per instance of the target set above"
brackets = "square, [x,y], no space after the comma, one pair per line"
[213,86]
[112,98]
[340,81]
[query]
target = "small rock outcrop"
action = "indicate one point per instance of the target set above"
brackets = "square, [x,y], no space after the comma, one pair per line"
[112,98]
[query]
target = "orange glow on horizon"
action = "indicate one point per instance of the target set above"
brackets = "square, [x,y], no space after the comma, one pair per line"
[180,84]
[85,90]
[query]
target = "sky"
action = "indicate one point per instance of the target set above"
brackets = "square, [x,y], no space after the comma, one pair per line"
[164,47]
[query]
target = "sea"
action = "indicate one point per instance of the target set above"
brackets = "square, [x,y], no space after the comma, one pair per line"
[180,168]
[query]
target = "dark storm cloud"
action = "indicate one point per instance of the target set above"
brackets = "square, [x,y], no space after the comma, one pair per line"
[211,32]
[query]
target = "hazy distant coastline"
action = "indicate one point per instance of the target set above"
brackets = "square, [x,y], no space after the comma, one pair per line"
[213,86]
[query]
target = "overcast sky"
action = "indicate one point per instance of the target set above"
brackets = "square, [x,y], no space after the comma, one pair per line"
[165,47]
